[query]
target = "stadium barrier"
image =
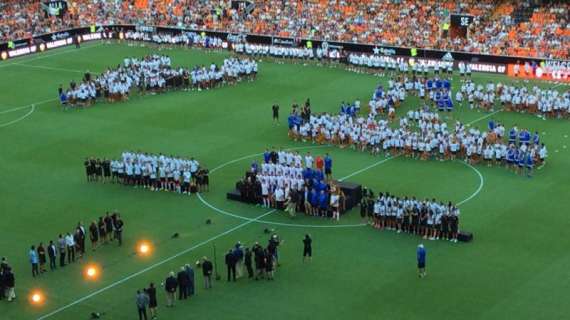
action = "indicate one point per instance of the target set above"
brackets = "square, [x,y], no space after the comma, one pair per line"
[478,62]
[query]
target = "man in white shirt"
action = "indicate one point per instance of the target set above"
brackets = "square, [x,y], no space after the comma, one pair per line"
[309,160]
[70,246]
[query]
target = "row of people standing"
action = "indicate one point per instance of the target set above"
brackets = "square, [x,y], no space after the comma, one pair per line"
[259,262]
[70,246]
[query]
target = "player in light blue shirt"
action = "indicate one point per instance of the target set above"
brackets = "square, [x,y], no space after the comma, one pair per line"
[421,257]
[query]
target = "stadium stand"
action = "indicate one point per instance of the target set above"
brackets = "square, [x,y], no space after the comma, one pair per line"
[515,28]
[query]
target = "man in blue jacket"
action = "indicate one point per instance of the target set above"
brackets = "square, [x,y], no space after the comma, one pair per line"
[190,273]
[421,255]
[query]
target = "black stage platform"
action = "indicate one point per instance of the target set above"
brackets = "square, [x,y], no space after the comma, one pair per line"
[352,193]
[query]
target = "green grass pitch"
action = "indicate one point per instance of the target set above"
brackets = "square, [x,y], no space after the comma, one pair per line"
[516,268]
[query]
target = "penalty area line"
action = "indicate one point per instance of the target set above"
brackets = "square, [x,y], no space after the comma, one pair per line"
[3,125]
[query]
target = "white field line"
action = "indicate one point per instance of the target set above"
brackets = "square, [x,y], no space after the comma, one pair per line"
[3,125]
[484,117]
[28,105]
[367,168]
[481,184]
[46,68]
[41,56]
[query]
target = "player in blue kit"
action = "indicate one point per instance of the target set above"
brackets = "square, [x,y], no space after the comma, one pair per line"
[421,257]
[511,155]
[536,138]
[524,136]
[266,156]
[308,174]
[323,204]
[314,201]
[529,161]
[513,135]
[318,174]
[520,162]
[438,84]
[429,84]
[328,166]
[446,84]
[440,102]
[448,103]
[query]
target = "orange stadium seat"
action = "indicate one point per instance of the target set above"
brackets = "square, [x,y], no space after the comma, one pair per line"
[408,23]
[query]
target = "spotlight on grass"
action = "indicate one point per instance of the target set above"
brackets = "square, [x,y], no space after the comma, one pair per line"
[144,248]
[37,298]
[92,272]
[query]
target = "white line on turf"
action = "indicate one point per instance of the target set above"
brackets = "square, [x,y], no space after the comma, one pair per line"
[367,168]
[481,184]
[2,125]
[45,55]
[133,275]
[46,67]
[27,106]
[484,117]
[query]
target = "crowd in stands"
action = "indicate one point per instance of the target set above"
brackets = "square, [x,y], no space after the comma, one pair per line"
[70,247]
[519,28]
[429,219]
[156,172]
[295,183]
[154,74]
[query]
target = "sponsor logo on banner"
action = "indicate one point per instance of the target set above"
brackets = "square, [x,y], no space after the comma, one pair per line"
[145,29]
[236,37]
[447,57]
[284,42]
[488,67]
[91,36]
[22,51]
[58,43]
[60,35]
[21,44]
[388,51]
